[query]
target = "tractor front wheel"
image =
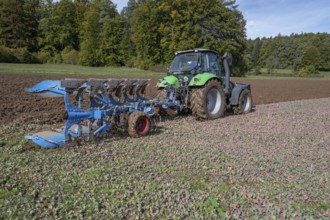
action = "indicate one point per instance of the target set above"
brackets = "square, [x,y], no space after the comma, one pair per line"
[244,103]
[138,124]
[209,101]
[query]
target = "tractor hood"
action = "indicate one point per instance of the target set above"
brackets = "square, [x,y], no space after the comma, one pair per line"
[168,80]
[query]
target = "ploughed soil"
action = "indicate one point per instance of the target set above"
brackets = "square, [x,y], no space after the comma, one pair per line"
[21,107]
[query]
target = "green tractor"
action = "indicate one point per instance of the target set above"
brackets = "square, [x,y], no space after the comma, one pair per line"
[198,83]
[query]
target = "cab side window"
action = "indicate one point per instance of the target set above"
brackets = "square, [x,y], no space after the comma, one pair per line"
[214,65]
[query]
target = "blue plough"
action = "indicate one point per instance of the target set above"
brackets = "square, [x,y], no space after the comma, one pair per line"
[95,107]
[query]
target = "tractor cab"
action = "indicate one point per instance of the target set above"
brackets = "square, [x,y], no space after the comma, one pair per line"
[194,62]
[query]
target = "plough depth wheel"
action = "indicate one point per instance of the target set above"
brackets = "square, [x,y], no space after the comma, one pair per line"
[138,124]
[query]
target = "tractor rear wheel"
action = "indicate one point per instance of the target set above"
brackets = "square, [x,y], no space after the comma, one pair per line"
[209,101]
[244,103]
[139,124]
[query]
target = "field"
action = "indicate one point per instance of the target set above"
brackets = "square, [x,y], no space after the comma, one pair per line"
[283,73]
[271,163]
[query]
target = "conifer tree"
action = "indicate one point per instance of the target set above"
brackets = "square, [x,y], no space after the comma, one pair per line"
[18,24]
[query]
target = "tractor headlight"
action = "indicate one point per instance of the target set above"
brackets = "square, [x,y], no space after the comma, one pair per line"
[185,79]
[164,82]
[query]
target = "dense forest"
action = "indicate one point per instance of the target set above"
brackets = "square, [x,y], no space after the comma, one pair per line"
[92,32]
[304,53]
[145,34]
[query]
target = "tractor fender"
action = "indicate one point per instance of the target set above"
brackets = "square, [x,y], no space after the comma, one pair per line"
[202,78]
[172,80]
[233,100]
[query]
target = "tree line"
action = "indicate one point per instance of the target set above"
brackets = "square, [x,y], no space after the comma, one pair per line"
[147,33]
[305,53]
[93,33]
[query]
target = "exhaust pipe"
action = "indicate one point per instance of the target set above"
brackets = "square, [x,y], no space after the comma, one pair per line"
[227,72]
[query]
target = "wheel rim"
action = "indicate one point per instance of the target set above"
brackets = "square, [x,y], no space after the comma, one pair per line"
[142,125]
[246,103]
[213,101]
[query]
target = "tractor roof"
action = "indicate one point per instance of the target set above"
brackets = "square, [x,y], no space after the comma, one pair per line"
[196,50]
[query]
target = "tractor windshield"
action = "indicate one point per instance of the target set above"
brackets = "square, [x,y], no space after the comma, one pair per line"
[184,63]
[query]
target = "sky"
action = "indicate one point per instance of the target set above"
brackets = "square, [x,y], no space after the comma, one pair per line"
[266,18]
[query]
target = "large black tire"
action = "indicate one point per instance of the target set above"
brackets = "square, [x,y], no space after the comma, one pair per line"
[139,124]
[244,103]
[209,101]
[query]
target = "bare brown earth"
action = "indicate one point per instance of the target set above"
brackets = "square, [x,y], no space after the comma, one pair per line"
[20,107]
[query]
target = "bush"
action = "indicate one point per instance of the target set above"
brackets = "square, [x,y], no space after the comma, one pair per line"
[6,56]
[309,70]
[87,58]
[237,71]
[146,64]
[19,55]
[57,59]
[257,70]
[129,63]
[69,56]
[49,54]
[44,56]
[28,57]
[270,70]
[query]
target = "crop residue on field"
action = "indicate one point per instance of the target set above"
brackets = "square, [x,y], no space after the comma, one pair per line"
[271,162]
